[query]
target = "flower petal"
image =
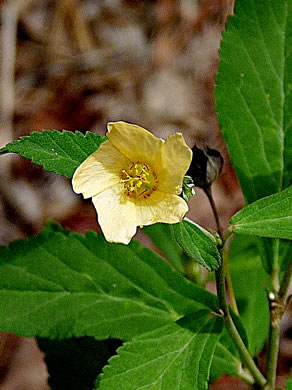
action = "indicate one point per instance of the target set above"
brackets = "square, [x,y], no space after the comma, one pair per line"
[172,163]
[116,215]
[138,144]
[161,207]
[101,170]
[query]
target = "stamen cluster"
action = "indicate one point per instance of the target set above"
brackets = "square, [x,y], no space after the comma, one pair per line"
[139,180]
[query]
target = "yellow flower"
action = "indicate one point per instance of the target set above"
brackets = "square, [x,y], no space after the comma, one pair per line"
[134,179]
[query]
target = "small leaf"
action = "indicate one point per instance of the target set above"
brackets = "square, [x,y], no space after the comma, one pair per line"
[268,217]
[74,364]
[177,356]
[60,152]
[61,284]
[197,243]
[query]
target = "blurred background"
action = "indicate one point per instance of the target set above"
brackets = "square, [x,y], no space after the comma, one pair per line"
[78,64]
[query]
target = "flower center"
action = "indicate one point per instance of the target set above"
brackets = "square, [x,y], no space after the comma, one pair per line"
[139,180]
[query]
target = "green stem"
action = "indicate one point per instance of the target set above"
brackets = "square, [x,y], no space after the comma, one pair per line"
[275,266]
[272,357]
[276,312]
[246,357]
[233,303]
[277,309]
[221,292]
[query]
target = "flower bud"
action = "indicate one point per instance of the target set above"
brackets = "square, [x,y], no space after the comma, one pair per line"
[205,167]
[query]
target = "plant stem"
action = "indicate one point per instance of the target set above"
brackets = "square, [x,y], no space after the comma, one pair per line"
[275,266]
[276,312]
[272,357]
[246,357]
[277,309]
[221,292]
[233,303]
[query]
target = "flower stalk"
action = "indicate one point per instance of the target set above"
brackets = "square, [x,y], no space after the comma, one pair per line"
[208,192]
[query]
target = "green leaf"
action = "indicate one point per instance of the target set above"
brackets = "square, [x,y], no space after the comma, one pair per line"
[250,280]
[267,217]
[60,152]
[224,362]
[163,237]
[226,359]
[61,284]
[177,356]
[287,179]
[253,95]
[74,364]
[198,243]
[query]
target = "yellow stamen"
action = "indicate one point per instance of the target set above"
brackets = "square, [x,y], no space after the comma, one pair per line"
[139,180]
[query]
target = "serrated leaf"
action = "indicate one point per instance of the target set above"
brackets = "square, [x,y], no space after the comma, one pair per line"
[253,95]
[197,243]
[74,364]
[60,152]
[250,280]
[61,284]
[176,357]
[268,217]
[163,237]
